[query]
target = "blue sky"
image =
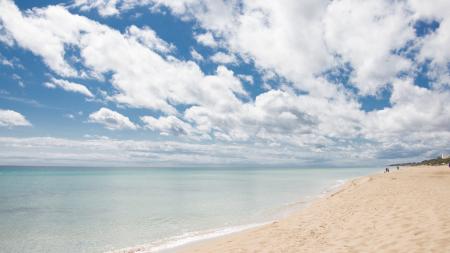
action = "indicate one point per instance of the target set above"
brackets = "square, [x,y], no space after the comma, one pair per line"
[223,83]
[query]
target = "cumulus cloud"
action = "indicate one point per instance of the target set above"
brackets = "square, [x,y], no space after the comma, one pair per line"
[223,58]
[284,36]
[28,31]
[247,78]
[206,39]
[5,37]
[415,111]
[284,117]
[104,50]
[9,118]
[196,55]
[433,46]
[354,34]
[111,120]
[148,37]
[69,86]
[171,125]
[307,38]
[104,7]
[318,60]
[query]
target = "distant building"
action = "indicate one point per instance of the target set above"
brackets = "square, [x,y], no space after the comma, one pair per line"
[443,156]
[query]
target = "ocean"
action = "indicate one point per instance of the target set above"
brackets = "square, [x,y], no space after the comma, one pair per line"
[68,209]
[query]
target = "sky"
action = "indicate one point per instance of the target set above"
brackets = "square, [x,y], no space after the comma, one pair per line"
[285,83]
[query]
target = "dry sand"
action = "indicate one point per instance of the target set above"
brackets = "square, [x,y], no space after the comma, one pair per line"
[401,211]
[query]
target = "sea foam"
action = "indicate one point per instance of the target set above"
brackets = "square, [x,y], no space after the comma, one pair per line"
[184,239]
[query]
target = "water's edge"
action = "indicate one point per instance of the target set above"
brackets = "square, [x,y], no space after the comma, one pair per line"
[174,243]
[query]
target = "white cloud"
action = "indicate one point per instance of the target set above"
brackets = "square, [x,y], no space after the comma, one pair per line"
[366,36]
[223,58]
[291,43]
[9,118]
[284,36]
[69,86]
[196,55]
[283,117]
[94,150]
[206,39]
[304,36]
[30,32]
[6,62]
[299,40]
[171,125]
[18,79]
[217,13]
[111,120]
[141,76]
[415,111]
[148,37]
[247,78]
[434,47]
[104,7]
[5,37]
[437,9]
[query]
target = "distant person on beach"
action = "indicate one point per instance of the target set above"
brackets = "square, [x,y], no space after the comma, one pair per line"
[398,168]
[386,170]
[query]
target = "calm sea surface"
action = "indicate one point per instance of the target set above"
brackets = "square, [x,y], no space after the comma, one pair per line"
[100,209]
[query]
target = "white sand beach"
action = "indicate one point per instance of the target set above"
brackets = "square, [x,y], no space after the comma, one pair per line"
[402,211]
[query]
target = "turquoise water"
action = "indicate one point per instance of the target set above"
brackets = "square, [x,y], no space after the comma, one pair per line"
[101,209]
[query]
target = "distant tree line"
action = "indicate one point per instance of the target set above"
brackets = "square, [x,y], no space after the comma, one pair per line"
[435,161]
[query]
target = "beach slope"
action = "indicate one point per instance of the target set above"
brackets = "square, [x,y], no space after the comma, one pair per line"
[402,211]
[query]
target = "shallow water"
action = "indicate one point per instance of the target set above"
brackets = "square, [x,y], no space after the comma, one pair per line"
[100,209]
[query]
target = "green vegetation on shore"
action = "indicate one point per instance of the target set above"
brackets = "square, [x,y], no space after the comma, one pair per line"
[435,161]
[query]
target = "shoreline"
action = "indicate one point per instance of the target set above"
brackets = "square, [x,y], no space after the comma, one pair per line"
[183,241]
[294,208]
[347,220]
[180,241]
[286,212]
